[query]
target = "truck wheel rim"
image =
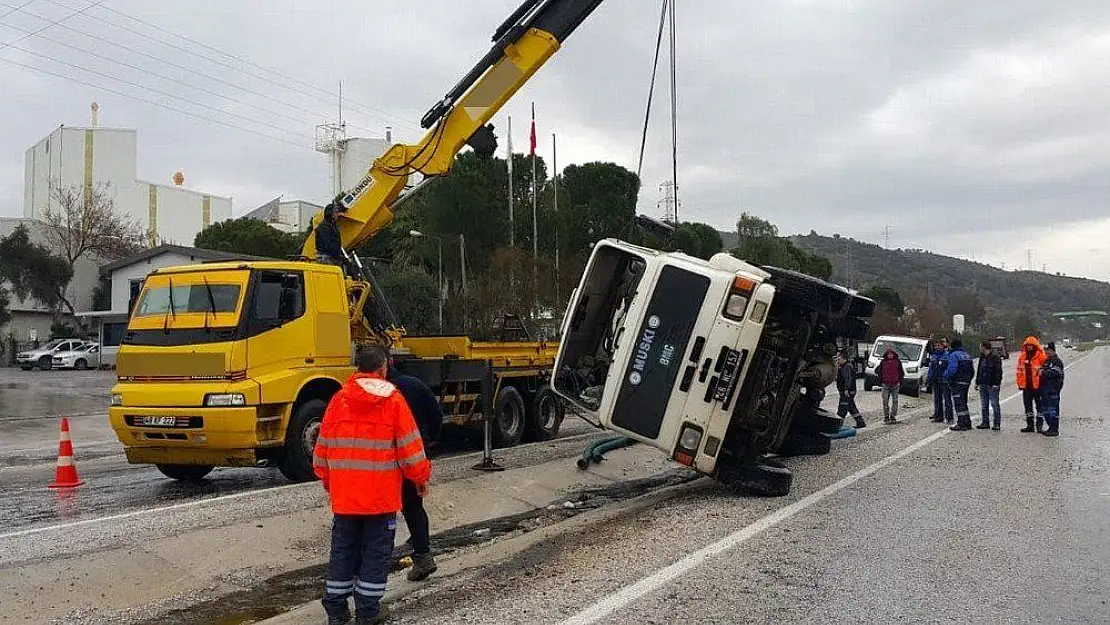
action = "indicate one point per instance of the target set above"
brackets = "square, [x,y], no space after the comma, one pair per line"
[311,433]
[510,419]
[547,414]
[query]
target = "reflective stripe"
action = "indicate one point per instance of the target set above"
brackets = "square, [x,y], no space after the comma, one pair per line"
[362,465]
[415,436]
[355,443]
[414,459]
[317,461]
[369,586]
[340,585]
[370,593]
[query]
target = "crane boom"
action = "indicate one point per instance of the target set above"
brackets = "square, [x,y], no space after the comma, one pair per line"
[522,45]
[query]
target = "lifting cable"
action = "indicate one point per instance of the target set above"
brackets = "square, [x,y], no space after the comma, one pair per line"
[651,89]
[666,22]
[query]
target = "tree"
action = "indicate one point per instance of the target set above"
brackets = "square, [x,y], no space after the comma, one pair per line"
[886,297]
[760,244]
[251,237]
[5,304]
[32,271]
[966,302]
[412,294]
[1025,325]
[697,239]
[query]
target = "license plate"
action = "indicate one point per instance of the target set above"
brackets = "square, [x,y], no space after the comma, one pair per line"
[159,421]
[728,372]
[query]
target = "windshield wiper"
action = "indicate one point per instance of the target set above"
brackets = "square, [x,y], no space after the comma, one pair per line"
[171,310]
[211,303]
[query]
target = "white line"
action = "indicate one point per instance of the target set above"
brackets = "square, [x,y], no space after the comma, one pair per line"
[660,578]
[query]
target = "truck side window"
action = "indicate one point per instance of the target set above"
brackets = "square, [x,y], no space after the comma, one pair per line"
[268,293]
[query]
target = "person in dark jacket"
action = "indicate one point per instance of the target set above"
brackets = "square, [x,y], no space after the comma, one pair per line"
[329,245]
[429,419]
[942,394]
[846,385]
[1052,382]
[891,373]
[988,379]
[958,377]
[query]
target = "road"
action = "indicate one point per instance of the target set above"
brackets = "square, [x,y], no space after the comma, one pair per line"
[32,402]
[905,523]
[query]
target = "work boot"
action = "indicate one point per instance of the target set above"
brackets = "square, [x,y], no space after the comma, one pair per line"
[960,427]
[339,619]
[893,421]
[937,419]
[1051,432]
[983,426]
[996,427]
[383,616]
[1028,425]
[1040,424]
[860,423]
[423,565]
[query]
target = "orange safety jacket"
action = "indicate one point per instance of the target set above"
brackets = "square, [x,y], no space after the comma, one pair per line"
[1035,363]
[368,441]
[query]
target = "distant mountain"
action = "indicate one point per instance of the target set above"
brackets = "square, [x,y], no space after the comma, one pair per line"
[934,276]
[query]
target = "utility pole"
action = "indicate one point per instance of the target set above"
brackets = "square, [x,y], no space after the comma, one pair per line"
[886,237]
[669,203]
[1029,258]
[555,189]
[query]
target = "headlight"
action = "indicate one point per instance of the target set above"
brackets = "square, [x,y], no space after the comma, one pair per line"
[690,438]
[736,306]
[911,369]
[117,399]
[223,400]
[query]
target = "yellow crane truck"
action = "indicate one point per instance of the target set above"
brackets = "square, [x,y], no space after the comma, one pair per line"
[233,363]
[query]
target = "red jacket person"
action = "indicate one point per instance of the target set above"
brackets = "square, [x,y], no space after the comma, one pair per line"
[368,443]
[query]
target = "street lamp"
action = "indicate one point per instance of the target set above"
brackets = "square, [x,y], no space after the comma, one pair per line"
[439,283]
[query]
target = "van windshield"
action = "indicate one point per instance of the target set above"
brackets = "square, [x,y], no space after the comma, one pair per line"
[910,352]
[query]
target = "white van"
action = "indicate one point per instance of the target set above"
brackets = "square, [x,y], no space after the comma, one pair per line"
[915,359]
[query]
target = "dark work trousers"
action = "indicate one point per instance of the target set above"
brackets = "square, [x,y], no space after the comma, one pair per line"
[942,401]
[959,404]
[415,518]
[1050,405]
[1031,398]
[361,554]
[847,405]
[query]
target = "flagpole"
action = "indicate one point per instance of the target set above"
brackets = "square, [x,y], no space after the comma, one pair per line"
[535,229]
[512,228]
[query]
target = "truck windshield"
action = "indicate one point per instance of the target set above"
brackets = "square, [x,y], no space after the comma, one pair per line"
[910,352]
[189,298]
[595,325]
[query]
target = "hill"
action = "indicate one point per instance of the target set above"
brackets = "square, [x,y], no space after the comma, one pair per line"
[924,277]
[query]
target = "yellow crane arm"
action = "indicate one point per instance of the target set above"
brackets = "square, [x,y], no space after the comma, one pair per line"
[522,44]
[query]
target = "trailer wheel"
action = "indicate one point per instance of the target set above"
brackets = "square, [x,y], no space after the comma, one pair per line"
[508,424]
[300,441]
[762,477]
[184,472]
[545,416]
[824,298]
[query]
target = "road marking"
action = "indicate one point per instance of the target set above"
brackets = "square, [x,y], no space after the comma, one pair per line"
[664,576]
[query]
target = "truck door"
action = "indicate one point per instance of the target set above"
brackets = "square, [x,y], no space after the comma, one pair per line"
[280,334]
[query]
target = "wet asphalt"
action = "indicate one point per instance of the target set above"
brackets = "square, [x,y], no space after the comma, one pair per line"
[31,404]
[904,523]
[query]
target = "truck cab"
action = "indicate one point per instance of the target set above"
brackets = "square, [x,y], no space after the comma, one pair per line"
[703,360]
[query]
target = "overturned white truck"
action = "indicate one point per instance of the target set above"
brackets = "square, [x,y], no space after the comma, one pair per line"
[720,364]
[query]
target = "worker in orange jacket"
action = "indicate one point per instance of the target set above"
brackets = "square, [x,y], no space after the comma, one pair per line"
[1030,359]
[368,443]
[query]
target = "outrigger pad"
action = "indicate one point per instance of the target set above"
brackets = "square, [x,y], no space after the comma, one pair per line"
[846,431]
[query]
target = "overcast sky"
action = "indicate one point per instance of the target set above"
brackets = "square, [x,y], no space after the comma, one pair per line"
[977,129]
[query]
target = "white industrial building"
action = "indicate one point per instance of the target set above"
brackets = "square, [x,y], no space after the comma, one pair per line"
[291,216]
[89,156]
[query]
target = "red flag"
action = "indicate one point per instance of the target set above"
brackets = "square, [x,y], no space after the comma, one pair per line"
[533,137]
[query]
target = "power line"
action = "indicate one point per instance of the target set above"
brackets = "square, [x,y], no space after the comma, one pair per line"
[315,90]
[53,23]
[165,77]
[151,102]
[178,66]
[151,89]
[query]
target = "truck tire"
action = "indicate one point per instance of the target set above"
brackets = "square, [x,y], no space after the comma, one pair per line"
[509,418]
[300,441]
[184,472]
[762,477]
[824,298]
[545,416]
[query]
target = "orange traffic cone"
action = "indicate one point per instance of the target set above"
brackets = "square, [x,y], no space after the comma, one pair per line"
[66,474]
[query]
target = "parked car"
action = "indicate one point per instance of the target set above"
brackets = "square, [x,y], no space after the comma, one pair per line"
[88,355]
[43,357]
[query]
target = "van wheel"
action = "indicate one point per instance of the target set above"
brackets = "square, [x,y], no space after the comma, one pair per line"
[762,477]
[915,390]
[300,441]
[184,472]
[509,418]
[824,298]
[545,416]
[867,385]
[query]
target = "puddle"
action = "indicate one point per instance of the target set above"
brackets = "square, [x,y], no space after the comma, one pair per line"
[282,593]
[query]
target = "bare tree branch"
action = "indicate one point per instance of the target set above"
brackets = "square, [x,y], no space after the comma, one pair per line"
[80,222]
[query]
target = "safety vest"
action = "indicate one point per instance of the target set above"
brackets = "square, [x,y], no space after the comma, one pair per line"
[368,442]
